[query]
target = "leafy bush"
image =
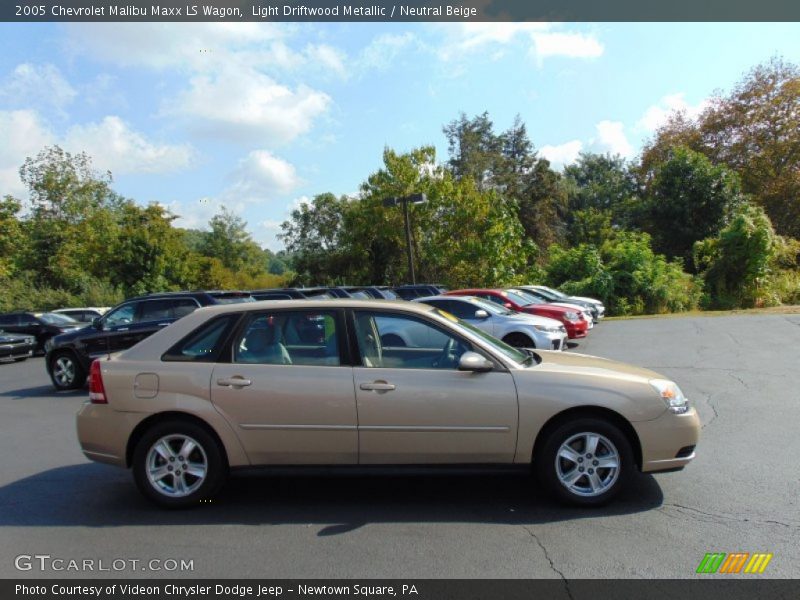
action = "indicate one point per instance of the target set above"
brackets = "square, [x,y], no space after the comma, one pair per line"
[625,274]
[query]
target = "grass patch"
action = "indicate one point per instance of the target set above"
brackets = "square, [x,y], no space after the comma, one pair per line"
[772,310]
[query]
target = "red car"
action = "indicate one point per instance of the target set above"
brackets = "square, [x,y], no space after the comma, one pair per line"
[512,299]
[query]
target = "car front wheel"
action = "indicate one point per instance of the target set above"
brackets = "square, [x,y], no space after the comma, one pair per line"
[585,462]
[178,464]
[66,372]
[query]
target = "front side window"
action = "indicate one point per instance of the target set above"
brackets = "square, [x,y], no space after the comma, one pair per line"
[396,341]
[290,338]
[121,316]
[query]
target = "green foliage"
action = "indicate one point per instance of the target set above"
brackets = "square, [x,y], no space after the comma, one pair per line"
[688,199]
[754,130]
[626,274]
[736,264]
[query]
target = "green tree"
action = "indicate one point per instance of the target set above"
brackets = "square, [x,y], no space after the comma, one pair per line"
[736,264]
[688,199]
[11,240]
[755,130]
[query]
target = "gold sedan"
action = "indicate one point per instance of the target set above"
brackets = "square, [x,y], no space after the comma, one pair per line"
[307,382]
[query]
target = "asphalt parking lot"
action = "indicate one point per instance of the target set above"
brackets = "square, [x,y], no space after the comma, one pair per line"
[741,494]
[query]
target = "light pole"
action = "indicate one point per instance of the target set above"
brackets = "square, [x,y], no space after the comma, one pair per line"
[405,200]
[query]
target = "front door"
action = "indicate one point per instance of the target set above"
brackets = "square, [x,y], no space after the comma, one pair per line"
[416,407]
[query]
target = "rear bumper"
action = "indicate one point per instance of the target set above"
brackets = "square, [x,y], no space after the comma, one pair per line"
[103,432]
[665,441]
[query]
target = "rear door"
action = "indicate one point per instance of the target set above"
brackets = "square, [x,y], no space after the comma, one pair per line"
[115,334]
[416,407]
[288,388]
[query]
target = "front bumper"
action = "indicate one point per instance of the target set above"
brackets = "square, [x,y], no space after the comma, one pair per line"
[11,351]
[576,329]
[668,442]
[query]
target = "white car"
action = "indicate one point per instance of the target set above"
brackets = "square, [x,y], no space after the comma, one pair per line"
[582,310]
[87,314]
[516,329]
[562,297]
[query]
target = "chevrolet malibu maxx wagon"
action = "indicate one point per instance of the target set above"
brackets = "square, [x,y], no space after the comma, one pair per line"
[310,383]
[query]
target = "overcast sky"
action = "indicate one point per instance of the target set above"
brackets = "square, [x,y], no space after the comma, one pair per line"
[259,117]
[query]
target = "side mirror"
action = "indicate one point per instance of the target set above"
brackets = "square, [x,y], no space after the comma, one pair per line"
[481,314]
[97,323]
[472,361]
[507,305]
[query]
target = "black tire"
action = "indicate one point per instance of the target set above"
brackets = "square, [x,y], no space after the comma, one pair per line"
[519,340]
[392,341]
[66,372]
[549,472]
[167,494]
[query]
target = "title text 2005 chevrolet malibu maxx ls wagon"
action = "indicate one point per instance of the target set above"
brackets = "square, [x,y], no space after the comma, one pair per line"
[311,383]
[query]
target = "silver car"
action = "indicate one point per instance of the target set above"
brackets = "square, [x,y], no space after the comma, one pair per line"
[311,383]
[515,329]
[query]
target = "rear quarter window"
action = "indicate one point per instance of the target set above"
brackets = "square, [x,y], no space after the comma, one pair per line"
[204,344]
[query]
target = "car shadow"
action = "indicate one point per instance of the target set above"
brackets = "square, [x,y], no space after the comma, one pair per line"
[42,391]
[95,495]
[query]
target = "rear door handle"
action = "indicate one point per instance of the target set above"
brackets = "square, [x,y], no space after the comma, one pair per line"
[235,382]
[378,386]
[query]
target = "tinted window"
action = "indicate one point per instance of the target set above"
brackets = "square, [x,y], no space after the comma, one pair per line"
[121,316]
[53,319]
[9,320]
[202,345]
[155,310]
[290,338]
[182,307]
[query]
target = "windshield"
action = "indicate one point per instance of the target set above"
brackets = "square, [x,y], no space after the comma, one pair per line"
[545,293]
[523,298]
[518,356]
[490,307]
[56,319]
[556,293]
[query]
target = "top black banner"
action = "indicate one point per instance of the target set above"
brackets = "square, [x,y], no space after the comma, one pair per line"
[400,10]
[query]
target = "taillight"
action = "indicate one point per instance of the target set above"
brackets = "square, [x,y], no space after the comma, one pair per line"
[97,393]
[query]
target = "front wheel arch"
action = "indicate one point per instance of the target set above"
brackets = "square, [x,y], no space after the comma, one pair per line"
[523,340]
[597,412]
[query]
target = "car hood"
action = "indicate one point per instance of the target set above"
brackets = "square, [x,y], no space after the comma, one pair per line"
[530,319]
[585,299]
[13,337]
[569,305]
[69,334]
[585,364]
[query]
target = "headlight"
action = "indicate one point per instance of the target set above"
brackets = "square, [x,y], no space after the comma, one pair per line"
[548,328]
[672,395]
[571,316]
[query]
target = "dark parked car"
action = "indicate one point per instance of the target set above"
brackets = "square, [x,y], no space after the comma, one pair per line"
[418,290]
[40,325]
[379,292]
[310,293]
[70,355]
[16,346]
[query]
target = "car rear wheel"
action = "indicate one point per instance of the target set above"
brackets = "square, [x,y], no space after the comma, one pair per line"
[519,340]
[178,464]
[585,462]
[66,372]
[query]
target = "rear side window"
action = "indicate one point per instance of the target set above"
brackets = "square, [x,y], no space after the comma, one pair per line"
[203,344]
[290,338]
[9,320]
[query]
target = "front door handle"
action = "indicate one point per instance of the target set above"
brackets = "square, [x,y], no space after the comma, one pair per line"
[234,382]
[378,386]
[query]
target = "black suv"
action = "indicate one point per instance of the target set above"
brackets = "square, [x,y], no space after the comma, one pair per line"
[41,325]
[417,290]
[70,355]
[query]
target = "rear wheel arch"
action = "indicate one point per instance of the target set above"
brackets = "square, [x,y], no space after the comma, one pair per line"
[142,428]
[597,412]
